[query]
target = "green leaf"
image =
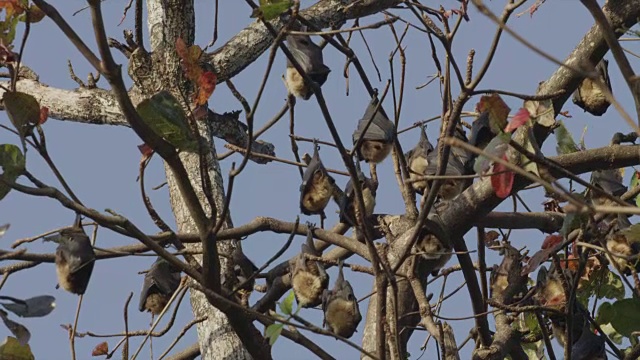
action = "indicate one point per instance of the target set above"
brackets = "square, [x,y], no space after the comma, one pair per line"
[534,350]
[23,111]
[608,330]
[273,332]
[571,222]
[496,147]
[11,348]
[565,142]
[632,233]
[13,165]
[165,116]
[287,305]
[273,8]
[605,313]
[603,284]
[626,318]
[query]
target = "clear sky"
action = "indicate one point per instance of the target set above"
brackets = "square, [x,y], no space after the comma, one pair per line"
[101,162]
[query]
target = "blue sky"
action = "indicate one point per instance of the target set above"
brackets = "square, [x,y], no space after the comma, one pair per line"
[101,162]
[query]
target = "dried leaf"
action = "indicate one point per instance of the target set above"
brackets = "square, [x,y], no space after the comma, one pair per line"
[100,349]
[502,179]
[497,109]
[541,112]
[490,238]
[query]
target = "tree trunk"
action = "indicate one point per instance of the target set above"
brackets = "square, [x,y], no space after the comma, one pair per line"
[168,20]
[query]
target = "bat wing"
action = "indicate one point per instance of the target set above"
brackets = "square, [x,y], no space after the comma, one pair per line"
[603,70]
[481,130]
[609,181]
[162,278]
[307,178]
[75,247]
[424,142]
[380,129]
[454,166]
[309,56]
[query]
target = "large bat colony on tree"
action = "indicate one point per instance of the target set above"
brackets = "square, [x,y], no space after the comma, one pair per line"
[592,240]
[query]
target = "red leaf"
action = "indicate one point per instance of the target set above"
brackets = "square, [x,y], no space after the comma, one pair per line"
[206,84]
[551,241]
[502,179]
[145,150]
[44,115]
[189,57]
[518,120]
[101,349]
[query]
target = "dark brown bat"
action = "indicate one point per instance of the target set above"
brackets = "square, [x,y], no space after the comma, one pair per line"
[610,181]
[481,133]
[378,138]
[550,293]
[589,96]
[317,186]
[618,244]
[506,279]
[340,307]
[308,277]
[309,56]
[418,162]
[160,282]
[589,346]
[347,204]
[243,269]
[434,250]
[450,188]
[74,258]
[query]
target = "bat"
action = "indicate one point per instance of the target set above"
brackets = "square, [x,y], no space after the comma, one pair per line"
[308,277]
[243,269]
[610,181]
[450,188]
[160,282]
[481,133]
[340,307]
[317,186]
[506,279]
[589,96]
[74,258]
[347,204]
[588,346]
[309,56]
[418,161]
[550,293]
[434,249]
[377,139]
[618,244]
